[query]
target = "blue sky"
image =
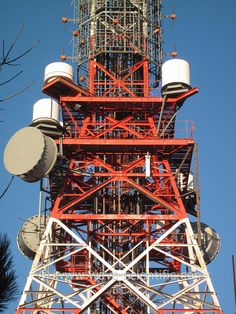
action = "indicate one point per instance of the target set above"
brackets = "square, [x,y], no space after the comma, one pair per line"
[204,34]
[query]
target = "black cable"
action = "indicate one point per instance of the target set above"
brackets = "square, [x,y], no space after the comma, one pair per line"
[9,184]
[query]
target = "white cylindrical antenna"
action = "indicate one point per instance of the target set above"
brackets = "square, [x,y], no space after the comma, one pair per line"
[56,69]
[45,110]
[175,76]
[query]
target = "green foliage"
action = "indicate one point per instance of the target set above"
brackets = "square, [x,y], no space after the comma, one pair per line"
[8,285]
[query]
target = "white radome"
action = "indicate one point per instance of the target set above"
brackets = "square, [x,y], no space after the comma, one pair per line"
[46,110]
[56,69]
[175,71]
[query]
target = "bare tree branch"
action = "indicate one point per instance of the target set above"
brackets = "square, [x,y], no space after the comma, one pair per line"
[11,79]
[18,93]
[4,57]
[23,54]
[6,189]
[8,60]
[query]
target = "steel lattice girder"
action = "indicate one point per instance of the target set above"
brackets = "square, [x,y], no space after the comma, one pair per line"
[162,191]
[193,288]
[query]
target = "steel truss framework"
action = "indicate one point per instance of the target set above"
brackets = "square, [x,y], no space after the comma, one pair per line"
[119,239]
[192,289]
[121,40]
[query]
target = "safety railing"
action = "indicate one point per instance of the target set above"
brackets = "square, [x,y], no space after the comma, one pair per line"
[180,129]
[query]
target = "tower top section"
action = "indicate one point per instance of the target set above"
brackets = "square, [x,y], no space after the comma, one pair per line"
[118,45]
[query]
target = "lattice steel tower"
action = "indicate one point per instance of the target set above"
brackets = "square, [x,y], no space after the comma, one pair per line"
[118,238]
